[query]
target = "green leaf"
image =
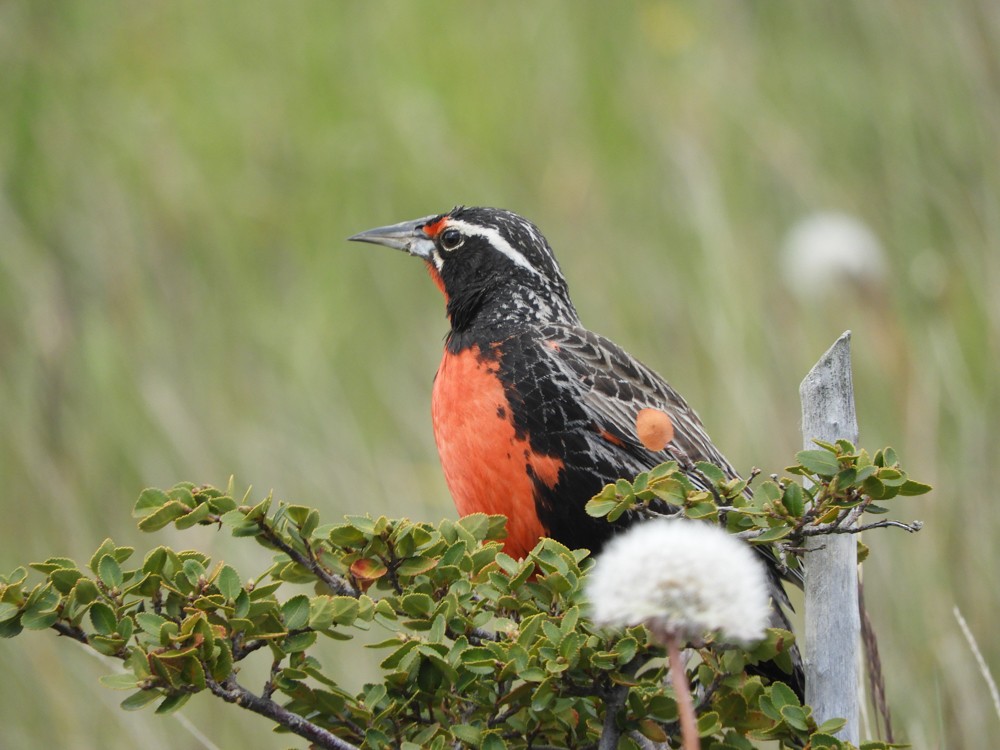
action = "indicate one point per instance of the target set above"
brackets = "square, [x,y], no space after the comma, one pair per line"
[713,472]
[260,509]
[466,733]
[437,630]
[64,579]
[417,605]
[120,681]
[794,499]
[364,524]
[102,644]
[150,622]
[194,571]
[53,564]
[296,612]
[874,488]
[344,609]
[910,488]
[621,508]
[182,494]
[139,700]
[819,462]
[795,717]
[298,514]
[168,632]
[34,619]
[891,477]
[414,566]
[162,516]
[701,510]
[102,617]
[652,730]
[299,642]
[477,524]
[85,591]
[845,478]
[10,628]
[347,536]
[107,548]
[149,500]
[125,628]
[8,611]
[110,572]
[602,504]
[188,520]
[782,695]
[862,551]
[831,726]
[708,724]
[824,741]
[173,702]
[228,582]
[377,740]
[373,695]
[772,535]
[493,741]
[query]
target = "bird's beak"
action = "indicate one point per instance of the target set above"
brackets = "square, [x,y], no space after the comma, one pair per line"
[407,236]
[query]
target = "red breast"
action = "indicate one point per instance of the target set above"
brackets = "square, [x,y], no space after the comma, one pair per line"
[488,467]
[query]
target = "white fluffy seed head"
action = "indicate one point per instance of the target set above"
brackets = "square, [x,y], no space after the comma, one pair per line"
[827,251]
[686,578]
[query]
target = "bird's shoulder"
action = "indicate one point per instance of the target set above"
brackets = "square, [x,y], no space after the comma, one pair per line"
[612,387]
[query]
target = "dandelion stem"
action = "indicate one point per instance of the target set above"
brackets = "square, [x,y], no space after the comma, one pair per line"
[682,693]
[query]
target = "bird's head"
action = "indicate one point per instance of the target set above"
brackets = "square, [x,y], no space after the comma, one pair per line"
[494,267]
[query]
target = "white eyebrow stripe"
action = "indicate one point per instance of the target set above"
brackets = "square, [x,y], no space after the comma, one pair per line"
[497,240]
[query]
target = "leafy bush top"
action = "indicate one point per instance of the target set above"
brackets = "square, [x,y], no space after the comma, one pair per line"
[480,650]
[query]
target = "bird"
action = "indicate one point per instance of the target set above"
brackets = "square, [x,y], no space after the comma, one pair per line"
[533,414]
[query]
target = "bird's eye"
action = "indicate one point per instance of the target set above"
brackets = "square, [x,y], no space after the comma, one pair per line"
[451,239]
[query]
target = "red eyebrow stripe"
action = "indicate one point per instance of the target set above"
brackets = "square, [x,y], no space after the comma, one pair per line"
[434,228]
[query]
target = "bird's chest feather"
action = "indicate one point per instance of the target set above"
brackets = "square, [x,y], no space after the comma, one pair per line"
[488,466]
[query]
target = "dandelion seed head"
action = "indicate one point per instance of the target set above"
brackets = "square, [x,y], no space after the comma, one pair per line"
[684,577]
[825,250]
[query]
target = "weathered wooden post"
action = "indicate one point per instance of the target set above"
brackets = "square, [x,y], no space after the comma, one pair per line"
[832,621]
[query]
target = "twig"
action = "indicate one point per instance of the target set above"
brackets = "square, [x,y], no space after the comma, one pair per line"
[611,732]
[71,631]
[836,527]
[984,670]
[232,692]
[337,583]
[269,684]
[501,718]
[242,650]
[615,702]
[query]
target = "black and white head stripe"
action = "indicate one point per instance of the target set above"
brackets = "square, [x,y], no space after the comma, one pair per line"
[496,239]
[513,236]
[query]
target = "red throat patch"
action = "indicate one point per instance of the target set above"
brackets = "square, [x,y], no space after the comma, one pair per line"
[436,278]
[488,468]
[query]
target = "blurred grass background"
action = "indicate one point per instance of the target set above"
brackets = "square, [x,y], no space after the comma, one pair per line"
[177,301]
